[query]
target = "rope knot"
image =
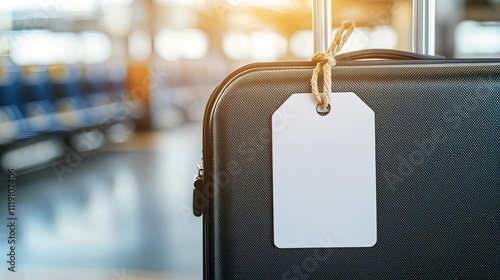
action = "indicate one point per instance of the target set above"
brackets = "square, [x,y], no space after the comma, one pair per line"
[325,61]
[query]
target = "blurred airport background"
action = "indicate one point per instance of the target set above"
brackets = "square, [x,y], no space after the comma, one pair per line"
[101,103]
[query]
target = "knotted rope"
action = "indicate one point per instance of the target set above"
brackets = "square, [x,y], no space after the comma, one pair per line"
[326,61]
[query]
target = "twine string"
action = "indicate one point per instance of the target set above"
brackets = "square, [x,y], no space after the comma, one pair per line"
[325,61]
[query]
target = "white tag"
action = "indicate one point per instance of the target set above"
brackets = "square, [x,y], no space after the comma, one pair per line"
[324,181]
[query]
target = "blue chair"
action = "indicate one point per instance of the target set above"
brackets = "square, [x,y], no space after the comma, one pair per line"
[116,89]
[72,109]
[12,123]
[99,100]
[39,102]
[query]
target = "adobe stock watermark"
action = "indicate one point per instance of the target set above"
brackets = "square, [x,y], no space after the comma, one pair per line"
[221,7]
[247,152]
[74,157]
[453,118]
[362,37]
[94,137]
[310,264]
[149,83]
[40,19]
[91,138]
[424,148]
[121,275]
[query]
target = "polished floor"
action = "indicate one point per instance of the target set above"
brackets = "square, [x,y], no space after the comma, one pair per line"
[119,213]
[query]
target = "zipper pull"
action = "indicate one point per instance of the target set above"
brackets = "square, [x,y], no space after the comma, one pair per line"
[198,200]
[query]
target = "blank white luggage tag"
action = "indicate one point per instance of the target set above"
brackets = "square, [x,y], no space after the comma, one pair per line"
[324,180]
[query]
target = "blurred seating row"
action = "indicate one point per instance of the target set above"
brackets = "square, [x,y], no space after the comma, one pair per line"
[40,100]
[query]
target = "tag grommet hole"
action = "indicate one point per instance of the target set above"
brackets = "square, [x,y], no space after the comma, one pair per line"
[324,112]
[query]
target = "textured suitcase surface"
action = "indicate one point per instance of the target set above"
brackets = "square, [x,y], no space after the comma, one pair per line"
[438,172]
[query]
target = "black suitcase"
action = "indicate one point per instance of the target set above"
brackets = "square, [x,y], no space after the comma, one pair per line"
[437,215]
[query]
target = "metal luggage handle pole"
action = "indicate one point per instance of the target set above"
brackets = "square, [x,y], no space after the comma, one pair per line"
[322,24]
[424,26]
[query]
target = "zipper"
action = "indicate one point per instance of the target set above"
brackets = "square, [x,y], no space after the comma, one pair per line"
[198,200]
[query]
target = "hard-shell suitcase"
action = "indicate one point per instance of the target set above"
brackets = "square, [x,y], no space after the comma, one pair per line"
[437,142]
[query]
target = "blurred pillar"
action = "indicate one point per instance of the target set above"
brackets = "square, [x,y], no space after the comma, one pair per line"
[139,86]
[139,79]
